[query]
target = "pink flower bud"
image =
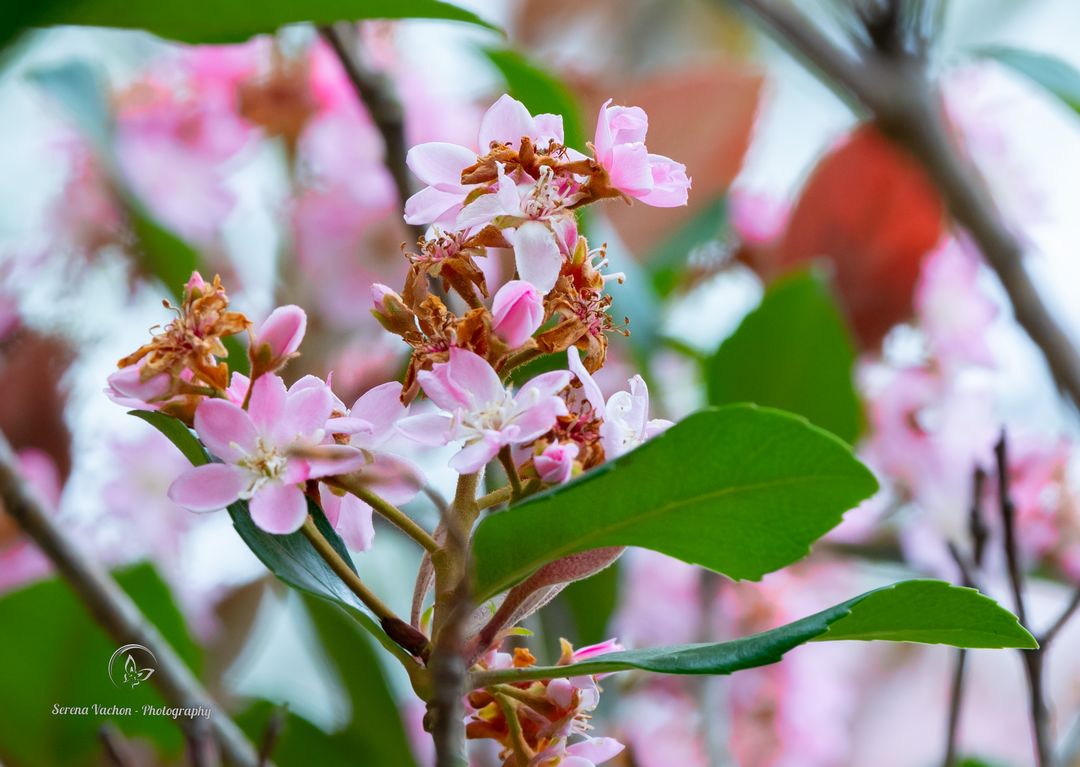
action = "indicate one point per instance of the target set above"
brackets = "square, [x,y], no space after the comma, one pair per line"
[379,294]
[194,284]
[127,387]
[279,337]
[556,464]
[517,311]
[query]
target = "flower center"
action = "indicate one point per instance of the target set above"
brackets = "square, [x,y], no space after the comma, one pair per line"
[265,464]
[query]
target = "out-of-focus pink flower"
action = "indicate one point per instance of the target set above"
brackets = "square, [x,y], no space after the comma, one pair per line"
[758,218]
[953,311]
[620,149]
[585,753]
[256,449]
[517,311]
[370,423]
[556,464]
[278,338]
[439,164]
[20,560]
[127,388]
[477,408]
[661,600]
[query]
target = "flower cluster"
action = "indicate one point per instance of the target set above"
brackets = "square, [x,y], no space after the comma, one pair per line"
[287,451]
[533,721]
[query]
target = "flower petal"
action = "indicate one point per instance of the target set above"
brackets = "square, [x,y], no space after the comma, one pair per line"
[278,508]
[537,255]
[380,407]
[209,487]
[439,164]
[475,456]
[431,205]
[354,524]
[225,429]
[305,416]
[267,403]
[593,395]
[427,428]
[472,374]
[505,122]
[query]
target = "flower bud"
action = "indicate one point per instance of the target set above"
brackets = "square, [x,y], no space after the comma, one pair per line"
[517,311]
[390,310]
[556,464]
[278,338]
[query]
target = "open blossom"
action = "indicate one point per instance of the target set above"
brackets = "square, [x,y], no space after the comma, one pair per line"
[517,311]
[440,164]
[368,425]
[626,423]
[620,148]
[257,449]
[479,409]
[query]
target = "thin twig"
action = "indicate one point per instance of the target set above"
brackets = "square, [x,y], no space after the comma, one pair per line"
[897,93]
[271,735]
[376,94]
[1033,659]
[116,613]
[116,747]
[392,513]
[1051,633]
[956,696]
[507,461]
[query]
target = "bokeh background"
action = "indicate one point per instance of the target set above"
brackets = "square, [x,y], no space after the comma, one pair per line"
[813,270]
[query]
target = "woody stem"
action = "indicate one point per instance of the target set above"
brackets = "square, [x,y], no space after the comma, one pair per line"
[507,462]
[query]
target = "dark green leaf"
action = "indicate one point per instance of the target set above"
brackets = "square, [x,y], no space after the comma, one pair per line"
[741,490]
[794,353]
[669,260]
[540,91]
[56,654]
[221,21]
[928,612]
[1058,77]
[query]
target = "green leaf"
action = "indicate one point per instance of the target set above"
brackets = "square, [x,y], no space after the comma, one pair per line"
[291,557]
[82,92]
[222,21]
[923,611]
[56,654]
[667,262]
[741,490]
[179,434]
[1058,77]
[794,353]
[587,605]
[539,90]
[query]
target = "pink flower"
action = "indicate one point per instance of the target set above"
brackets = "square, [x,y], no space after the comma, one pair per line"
[625,414]
[370,424]
[619,144]
[256,448]
[596,650]
[478,409]
[757,217]
[556,464]
[439,164]
[517,311]
[585,753]
[954,312]
[127,388]
[279,337]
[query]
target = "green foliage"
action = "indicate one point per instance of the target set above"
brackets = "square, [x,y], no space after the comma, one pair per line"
[374,736]
[591,603]
[794,353]
[927,612]
[539,90]
[741,490]
[55,654]
[1058,77]
[218,21]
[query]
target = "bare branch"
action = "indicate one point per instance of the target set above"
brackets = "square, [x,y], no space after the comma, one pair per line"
[114,611]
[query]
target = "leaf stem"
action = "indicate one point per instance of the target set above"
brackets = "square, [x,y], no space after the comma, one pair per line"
[522,753]
[396,516]
[494,498]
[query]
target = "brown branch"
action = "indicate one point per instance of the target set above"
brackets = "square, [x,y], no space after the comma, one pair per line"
[117,614]
[896,92]
[956,697]
[377,96]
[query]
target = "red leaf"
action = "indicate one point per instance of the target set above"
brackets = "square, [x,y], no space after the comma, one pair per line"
[871,210]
